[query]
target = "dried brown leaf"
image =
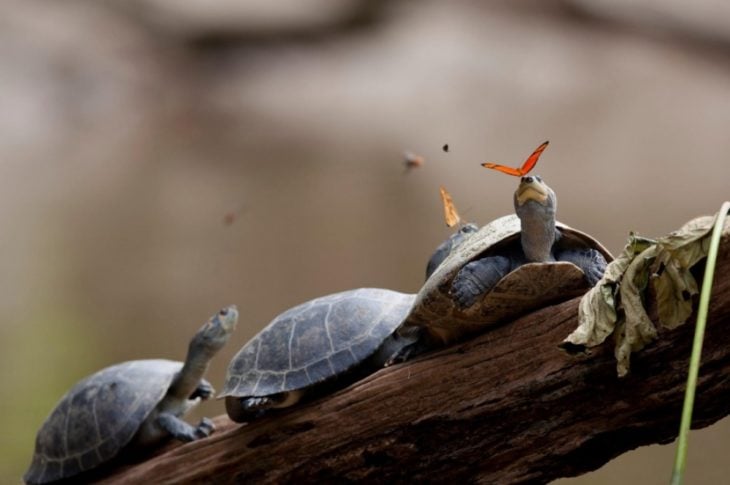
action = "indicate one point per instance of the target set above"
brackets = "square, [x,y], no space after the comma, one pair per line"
[597,312]
[639,329]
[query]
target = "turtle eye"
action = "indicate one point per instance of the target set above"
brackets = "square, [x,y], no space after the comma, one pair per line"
[223,312]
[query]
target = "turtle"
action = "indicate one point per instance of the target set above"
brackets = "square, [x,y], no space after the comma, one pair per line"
[510,266]
[129,406]
[315,347]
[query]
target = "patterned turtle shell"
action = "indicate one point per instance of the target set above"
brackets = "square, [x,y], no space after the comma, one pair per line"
[316,341]
[98,417]
[530,286]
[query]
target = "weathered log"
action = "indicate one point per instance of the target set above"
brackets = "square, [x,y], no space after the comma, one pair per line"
[505,407]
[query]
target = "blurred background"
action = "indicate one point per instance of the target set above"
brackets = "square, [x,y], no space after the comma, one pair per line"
[161,159]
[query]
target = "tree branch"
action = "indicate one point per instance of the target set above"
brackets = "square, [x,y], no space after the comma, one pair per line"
[505,407]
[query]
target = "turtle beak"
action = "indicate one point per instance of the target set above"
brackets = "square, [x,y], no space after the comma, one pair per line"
[228,317]
[532,188]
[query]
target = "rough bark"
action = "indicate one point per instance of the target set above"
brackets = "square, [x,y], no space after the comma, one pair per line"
[505,407]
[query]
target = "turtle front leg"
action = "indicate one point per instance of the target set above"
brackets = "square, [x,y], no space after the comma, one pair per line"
[477,278]
[204,390]
[590,261]
[183,431]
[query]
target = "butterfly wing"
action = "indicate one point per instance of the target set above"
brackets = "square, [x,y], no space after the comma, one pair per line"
[450,214]
[504,169]
[532,159]
[525,168]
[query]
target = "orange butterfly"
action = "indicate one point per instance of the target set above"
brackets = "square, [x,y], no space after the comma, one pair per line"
[450,215]
[525,168]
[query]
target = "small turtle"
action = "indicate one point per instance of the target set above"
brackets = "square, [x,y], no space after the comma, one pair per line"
[128,406]
[344,336]
[512,265]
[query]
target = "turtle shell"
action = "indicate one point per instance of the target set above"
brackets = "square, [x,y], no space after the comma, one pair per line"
[315,341]
[98,417]
[530,286]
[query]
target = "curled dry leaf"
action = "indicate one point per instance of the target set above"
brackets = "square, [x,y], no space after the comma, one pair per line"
[672,280]
[639,330]
[597,310]
[616,305]
[674,288]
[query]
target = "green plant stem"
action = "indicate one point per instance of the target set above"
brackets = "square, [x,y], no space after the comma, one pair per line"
[694,361]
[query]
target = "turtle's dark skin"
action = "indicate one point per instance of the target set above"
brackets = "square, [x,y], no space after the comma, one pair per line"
[535,204]
[128,406]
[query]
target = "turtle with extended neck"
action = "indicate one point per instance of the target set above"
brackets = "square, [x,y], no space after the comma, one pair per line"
[129,406]
[512,265]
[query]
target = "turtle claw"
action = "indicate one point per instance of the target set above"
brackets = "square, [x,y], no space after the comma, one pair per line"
[256,403]
[464,291]
[204,429]
[203,391]
[477,278]
[401,355]
[591,262]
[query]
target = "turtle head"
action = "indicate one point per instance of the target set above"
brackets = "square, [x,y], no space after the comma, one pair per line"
[535,205]
[534,194]
[214,333]
[449,246]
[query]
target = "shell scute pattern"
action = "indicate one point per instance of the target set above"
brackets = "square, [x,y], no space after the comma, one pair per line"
[495,231]
[270,345]
[320,370]
[245,359]
[315,341]
[343,333]
[274,381]
[296,379]
[308,339]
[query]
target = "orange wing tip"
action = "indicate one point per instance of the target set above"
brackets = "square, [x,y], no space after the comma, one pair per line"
[515,172]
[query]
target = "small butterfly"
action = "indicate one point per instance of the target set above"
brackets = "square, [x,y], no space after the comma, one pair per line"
[450,214]
[411,161]
[445,147]
[525,168]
